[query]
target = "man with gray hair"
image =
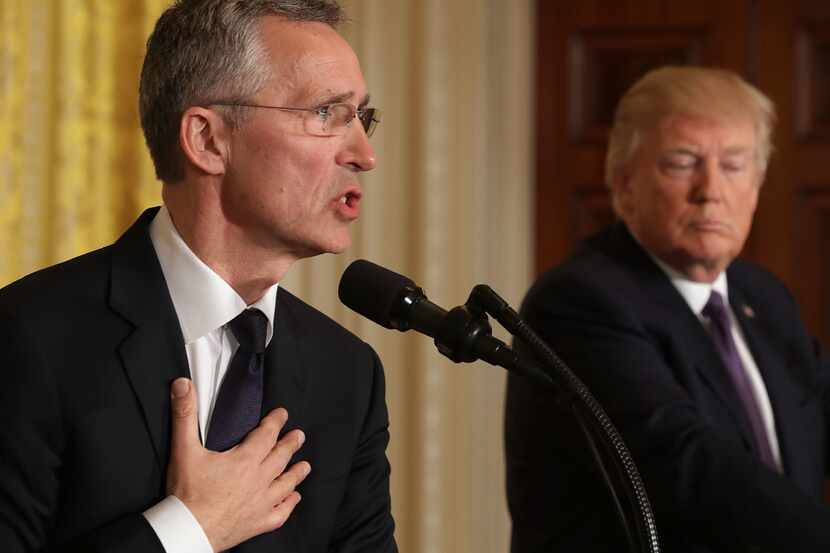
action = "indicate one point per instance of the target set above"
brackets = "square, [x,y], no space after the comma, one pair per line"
[164,394]
[699,358]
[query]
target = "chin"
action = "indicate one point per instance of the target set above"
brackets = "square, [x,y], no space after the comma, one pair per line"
[336,246]
[714,248]
[713,264]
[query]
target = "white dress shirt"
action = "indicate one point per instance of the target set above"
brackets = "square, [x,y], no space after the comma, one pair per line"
[204,304]
[697,295]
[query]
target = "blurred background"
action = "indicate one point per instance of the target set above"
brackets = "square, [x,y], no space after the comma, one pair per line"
[490,170]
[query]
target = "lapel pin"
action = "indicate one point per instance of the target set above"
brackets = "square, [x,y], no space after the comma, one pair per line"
[748,311]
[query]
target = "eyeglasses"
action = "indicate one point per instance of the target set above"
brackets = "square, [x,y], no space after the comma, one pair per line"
[328,120]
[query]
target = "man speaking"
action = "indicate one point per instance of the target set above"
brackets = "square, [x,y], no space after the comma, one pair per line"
[163,394]
[700,359]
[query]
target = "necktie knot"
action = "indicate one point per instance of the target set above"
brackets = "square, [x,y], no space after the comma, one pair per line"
[715,311]
[715,307]
[249,328]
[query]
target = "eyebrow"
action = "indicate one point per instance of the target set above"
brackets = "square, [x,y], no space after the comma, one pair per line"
[738,150]
[690,150]
[341,98]
[682,150]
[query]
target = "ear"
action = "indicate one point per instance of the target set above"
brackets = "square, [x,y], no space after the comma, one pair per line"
[203,136]
[620,189]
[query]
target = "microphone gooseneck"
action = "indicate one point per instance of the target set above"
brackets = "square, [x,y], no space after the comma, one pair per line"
[464,334]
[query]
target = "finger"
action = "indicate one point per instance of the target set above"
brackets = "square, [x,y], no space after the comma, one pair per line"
[184,414]
[288,481]
[262,438]
[282,511]
[277,459]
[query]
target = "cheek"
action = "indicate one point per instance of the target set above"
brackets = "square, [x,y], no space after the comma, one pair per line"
[668,209]
[744,204]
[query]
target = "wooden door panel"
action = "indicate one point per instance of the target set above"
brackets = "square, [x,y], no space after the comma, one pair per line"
[590,52]
[588,55]
[791,233]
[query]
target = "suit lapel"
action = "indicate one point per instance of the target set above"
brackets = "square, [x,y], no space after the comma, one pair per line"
[670,316]
[710,366]
[153,355]
[698,347]
[285,386]
[285,374]
[784,397]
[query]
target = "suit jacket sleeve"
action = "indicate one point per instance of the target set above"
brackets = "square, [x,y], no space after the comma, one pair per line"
[700,481]
[33,438]
[364,522]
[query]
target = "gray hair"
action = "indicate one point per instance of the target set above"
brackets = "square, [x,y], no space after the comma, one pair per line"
[203,51]
[694,91]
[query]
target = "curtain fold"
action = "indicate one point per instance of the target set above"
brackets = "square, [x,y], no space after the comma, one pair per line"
[73,164]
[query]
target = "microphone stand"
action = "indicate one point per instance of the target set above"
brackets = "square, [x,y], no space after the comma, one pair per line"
[464,335]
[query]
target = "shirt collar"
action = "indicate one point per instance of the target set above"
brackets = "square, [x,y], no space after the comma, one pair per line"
[695,293]
[203,301]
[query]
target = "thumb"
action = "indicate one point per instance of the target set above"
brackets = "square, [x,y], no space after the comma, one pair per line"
[183,411]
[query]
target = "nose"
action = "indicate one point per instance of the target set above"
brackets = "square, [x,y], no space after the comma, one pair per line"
[709,183]
[357,153]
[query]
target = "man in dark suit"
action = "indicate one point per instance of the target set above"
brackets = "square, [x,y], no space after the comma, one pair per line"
[700,360]
[119,365]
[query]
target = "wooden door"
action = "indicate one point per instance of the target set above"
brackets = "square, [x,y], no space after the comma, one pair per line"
[791,235]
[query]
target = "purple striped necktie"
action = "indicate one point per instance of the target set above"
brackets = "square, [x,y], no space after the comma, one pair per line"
[721,331]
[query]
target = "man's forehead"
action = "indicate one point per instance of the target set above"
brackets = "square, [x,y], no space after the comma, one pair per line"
[311,60]
[728,132]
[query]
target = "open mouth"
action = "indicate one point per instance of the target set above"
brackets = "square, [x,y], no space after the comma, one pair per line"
[350,199]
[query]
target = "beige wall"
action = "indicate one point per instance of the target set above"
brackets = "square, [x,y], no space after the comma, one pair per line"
[449,205]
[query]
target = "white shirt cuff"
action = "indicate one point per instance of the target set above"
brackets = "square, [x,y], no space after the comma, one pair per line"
[176,527]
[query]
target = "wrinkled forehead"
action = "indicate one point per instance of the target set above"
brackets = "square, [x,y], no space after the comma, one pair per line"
[310,61]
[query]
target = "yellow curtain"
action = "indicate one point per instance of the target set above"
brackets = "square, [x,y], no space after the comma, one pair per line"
[74,170]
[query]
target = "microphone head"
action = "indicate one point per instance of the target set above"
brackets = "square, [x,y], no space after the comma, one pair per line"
[374,291]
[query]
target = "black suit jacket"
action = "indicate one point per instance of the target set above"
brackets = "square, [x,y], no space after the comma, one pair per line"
[619,323]
[88,350]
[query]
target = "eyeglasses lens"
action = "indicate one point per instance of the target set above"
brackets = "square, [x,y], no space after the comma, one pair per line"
[369,118]
[338,117]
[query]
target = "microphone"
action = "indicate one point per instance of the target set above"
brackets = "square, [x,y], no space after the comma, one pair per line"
[391,300]
[395,302]
[464,335]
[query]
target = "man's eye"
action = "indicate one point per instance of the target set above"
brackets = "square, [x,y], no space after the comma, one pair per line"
[679,163]
[734,166]
[323,112]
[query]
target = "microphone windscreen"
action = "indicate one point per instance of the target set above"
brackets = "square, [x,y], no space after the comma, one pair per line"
[372,290]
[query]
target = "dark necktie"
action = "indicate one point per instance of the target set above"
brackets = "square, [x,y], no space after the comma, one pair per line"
[721,330]
[239,404]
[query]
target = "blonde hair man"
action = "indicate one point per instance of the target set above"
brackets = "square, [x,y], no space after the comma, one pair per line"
[700,359]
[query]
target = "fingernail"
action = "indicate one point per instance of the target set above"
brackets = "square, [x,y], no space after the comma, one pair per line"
[180,387]
[300,438]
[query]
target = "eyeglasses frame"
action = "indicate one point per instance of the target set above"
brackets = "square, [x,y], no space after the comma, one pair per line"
[368,127]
